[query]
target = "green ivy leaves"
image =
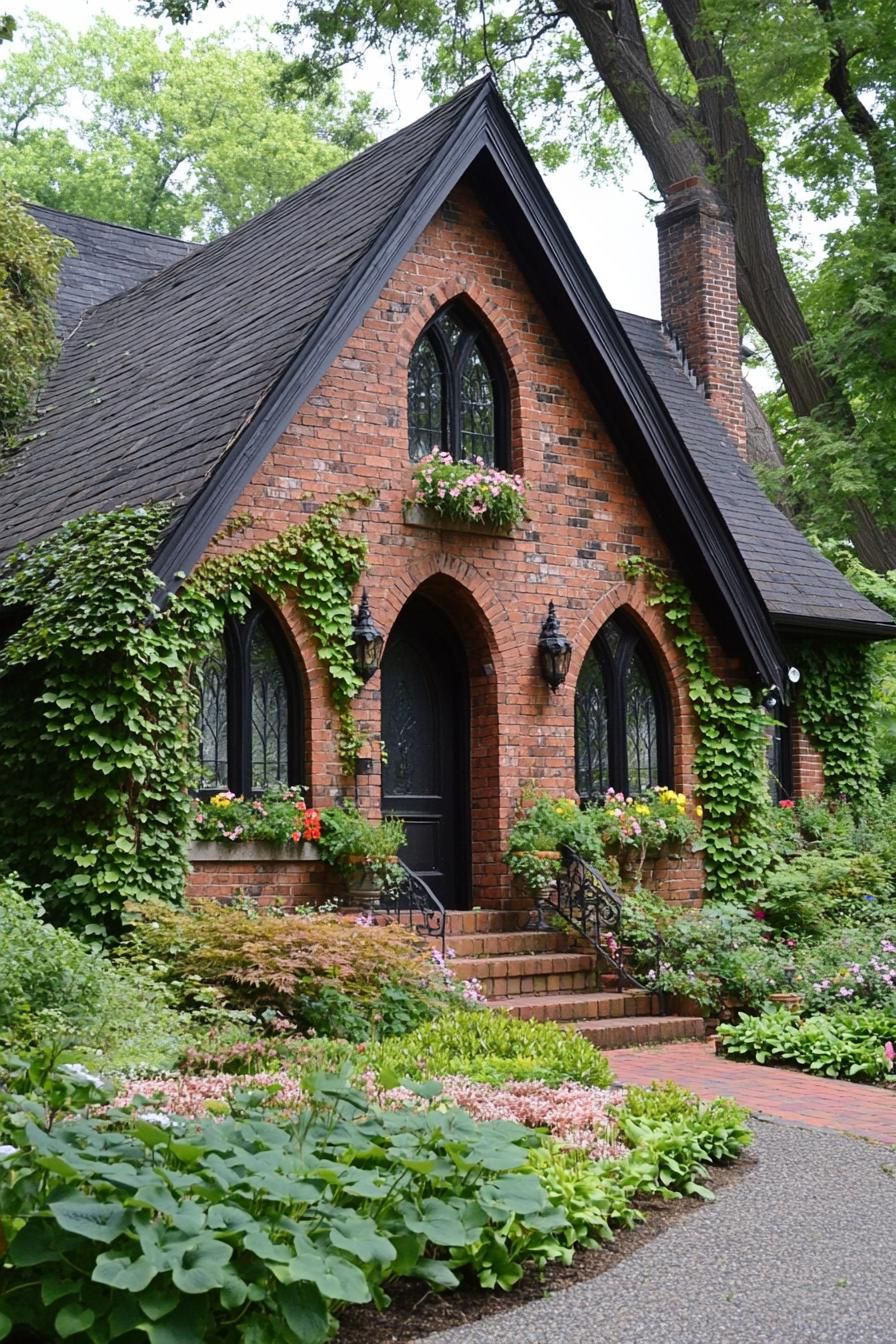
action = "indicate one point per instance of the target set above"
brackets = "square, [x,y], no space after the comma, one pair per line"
[98,706]
[730,755]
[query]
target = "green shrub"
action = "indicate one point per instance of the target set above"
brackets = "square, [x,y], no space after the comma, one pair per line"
[544,823]
[715,955]
[813,891]
[54,986]
[839,1045]
[327,973]
[490,1047]
[849,967]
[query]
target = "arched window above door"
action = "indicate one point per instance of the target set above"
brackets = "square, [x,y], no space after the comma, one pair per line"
[457,393]
[622,731]
[250,709]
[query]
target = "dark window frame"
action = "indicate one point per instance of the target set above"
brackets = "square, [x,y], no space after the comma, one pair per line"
[237,635]
[614,664]
[452,364]
[779,753]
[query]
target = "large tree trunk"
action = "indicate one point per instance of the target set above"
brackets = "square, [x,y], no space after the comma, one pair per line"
[712,141]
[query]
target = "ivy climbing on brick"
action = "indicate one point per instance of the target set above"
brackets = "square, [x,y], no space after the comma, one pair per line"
[99,704]
[730,757]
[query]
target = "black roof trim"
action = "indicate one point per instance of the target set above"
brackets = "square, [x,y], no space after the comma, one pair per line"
[789,626]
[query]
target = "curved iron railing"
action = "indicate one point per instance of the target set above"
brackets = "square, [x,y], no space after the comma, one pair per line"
[411,896]
[584,900]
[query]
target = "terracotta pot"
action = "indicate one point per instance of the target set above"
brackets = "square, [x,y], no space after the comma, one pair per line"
[787,1000]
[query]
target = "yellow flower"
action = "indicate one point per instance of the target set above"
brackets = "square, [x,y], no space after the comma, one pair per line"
[220,800]
[682,801]
[642,809]
[699,810]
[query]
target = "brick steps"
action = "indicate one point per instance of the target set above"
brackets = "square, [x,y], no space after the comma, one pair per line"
[485,921]
[508,944]
[575,1006]
[548,973]
[618,1032]
[551,976]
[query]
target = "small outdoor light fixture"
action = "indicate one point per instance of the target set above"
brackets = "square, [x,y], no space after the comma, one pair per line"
[554,650]
[367,641]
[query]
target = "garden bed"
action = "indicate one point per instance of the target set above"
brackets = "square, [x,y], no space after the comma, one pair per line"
[416,1312]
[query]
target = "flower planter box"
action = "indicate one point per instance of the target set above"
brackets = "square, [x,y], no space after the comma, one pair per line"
[418,515]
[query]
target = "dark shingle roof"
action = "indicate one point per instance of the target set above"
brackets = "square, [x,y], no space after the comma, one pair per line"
[154,385]
[798,584]
[176,388]
[110,258]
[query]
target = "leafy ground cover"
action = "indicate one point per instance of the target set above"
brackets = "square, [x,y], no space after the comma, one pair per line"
[845,1043]
[282,1132]
[253,1224]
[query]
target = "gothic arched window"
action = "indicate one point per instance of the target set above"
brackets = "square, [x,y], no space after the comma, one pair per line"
[250,716]
[457,399]
[622,719]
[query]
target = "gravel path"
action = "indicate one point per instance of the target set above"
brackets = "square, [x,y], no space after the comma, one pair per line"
[801,1251]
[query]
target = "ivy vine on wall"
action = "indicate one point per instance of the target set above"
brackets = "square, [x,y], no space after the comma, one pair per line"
[730,757]
[98,703]
[837,713]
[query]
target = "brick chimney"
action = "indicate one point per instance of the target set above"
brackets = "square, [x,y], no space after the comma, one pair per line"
[698,291]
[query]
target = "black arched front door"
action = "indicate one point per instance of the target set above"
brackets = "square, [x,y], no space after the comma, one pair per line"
[425,725]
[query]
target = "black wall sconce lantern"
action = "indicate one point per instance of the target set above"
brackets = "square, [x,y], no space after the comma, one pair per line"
[367,641]
[554,650]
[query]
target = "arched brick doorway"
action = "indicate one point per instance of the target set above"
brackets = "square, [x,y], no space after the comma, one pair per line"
[426,731]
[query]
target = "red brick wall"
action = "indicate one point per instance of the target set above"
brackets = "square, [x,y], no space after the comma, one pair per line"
[585,517]
[698,290]
[807,765]
[264,880]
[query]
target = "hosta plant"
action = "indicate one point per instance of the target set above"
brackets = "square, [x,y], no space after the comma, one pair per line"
[842,1044]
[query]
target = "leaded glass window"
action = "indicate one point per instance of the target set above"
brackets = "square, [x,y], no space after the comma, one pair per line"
[213,719]
[592,758]
[642,754]
[425,400]
[269,713]
[622,721]
[250,729]
[457,398]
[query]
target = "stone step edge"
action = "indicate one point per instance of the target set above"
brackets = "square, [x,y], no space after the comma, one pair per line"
[616,1033]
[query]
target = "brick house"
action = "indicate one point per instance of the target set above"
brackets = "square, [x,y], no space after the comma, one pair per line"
[429,295]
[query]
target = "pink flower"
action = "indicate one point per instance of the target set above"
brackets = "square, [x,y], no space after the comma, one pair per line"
[758,913]
[890,1052]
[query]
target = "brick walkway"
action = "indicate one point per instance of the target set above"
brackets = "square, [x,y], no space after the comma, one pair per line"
[824,1103]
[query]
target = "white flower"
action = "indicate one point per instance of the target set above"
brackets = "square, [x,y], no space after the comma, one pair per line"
[79,1074]
[7,1150]
[156,1118]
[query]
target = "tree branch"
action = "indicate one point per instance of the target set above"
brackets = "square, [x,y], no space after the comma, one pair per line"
[860,120]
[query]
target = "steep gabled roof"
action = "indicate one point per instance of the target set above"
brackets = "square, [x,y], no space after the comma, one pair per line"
[156,385]
[178,388]
[800,587]
[109,259]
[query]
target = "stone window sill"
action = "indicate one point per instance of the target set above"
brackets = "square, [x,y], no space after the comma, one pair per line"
[253,851]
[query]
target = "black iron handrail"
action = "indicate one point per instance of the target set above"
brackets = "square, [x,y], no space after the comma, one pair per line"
[584,900]
[412,896]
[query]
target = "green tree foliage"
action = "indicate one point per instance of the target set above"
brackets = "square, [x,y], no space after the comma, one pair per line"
[30,258]
[781,107]
[164,133]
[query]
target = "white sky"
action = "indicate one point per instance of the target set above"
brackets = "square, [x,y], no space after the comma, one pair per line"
[611,224]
